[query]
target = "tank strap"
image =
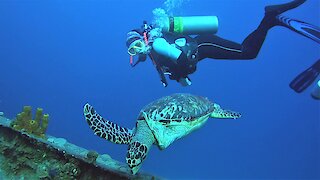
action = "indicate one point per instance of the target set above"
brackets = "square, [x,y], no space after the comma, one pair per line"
[145,37]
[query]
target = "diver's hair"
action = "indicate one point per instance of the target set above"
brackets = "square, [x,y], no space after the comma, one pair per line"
[133,36]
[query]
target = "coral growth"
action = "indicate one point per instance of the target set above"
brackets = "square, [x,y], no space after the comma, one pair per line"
[92,156]
[29,159]
[37,126]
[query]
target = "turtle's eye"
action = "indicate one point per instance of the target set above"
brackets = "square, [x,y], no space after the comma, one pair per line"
[142,118]
[164,121]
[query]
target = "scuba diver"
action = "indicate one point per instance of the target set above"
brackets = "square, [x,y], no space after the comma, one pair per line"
[175,53]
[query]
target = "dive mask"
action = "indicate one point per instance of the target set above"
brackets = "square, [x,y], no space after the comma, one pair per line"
[137,47]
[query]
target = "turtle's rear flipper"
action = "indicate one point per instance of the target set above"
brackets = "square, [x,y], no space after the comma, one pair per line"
[308,30]
[106,129]
[224,114]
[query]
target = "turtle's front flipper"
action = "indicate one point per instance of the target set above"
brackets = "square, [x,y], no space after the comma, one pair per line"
[225,114]
[106,129]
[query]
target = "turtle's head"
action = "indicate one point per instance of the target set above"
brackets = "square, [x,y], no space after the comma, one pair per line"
[139,146]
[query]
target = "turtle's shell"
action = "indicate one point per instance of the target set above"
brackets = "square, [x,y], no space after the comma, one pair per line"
[175,116]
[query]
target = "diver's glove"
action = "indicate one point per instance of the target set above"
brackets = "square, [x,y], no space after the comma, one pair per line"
[185,81]
[306,78]
[180,75]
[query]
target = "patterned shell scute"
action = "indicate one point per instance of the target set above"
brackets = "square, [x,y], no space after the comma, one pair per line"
[177,107]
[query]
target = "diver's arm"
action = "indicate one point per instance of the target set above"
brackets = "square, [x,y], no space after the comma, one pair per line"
[162,77]
[163,48]
[159,70]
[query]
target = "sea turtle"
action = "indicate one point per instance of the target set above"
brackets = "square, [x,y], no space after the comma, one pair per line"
[161,123]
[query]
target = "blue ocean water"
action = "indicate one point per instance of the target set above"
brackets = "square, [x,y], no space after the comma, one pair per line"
[61,54]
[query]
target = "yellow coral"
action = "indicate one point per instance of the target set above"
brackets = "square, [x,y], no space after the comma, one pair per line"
[25,123]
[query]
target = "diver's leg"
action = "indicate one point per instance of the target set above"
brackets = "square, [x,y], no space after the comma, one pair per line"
[212,46]
[252,44]
[217,48]
[275,10]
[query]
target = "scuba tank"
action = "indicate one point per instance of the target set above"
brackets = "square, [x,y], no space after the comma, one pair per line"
[191,25]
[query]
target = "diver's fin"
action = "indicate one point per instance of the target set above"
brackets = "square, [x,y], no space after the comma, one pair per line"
[281,8]
[306,78]
[308,30]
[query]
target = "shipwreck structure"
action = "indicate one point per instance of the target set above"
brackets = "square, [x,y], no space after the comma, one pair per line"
[28,155]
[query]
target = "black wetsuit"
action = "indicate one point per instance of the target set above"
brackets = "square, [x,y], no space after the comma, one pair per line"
[185,64]
[209,46]
[250,47]
[215,47]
